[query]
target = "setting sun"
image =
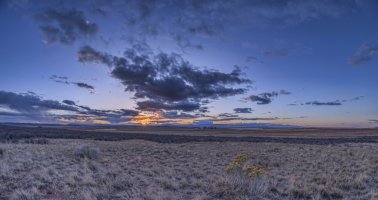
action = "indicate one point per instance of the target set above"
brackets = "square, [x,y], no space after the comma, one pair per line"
[146,118]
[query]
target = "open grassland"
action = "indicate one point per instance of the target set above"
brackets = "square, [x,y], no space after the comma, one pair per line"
[140,169]
[184,135]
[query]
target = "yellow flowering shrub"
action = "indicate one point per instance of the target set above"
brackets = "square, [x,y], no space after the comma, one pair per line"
[238,161]
[242,180]
[240,164]
[255,171]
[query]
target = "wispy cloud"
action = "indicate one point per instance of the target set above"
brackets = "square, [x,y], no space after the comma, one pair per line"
[65,26]
[266,97]
[64,80]
[277,53]
[243,110]
[90,88]
[364,54]
[246,119]
[178,115]
[328,103]
[227,115]
[184,21]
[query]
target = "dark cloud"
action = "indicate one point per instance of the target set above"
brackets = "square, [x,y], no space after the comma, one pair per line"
[243,110]
[373,121]
[34,107]
[167,80]
[65,26]
[247,119]
[330,103]
[60,79]
[64,79]
[127,112]
[266,97]
[364,54]
[178,115]
[90,88]
[11,114]
[30,104]
[157,106]
[69,102]
[227,115]
[89,55]
[284,92]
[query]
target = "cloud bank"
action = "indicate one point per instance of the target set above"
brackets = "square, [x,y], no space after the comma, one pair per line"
[167,81]
[35,107]
[184,21]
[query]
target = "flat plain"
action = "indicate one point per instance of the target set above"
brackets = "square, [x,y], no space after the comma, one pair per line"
[95,162]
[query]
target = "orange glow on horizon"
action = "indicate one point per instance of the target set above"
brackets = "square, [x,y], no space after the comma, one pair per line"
[147,118]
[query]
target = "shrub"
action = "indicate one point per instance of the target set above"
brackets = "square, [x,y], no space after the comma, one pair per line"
[2,152]
[239,164]
[37,141]
[85,151]
[242,179]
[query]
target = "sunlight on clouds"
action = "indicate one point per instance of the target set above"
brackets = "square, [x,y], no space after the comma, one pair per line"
[146,118]
[82,120]
[149,118]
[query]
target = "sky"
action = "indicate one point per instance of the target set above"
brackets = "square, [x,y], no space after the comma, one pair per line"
[296,62]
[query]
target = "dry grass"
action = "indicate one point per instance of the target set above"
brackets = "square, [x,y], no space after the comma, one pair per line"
[139,169]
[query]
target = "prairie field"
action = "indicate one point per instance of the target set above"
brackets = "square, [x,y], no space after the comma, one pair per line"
[188,100]
[35,167]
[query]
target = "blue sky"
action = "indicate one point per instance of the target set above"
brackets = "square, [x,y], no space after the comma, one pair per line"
[310,63]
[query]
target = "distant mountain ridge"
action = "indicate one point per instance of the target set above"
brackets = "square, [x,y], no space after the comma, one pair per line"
[194,125]
[244,125]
